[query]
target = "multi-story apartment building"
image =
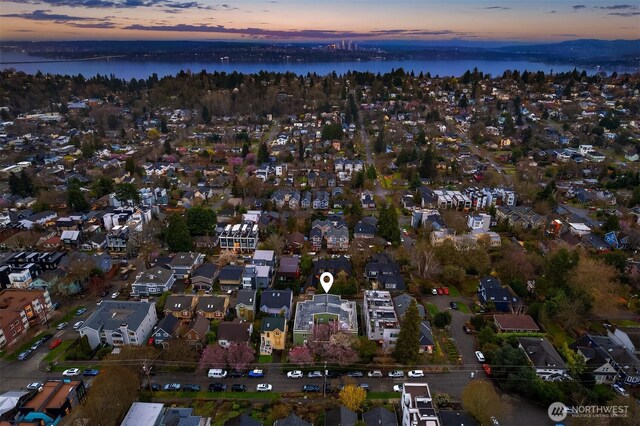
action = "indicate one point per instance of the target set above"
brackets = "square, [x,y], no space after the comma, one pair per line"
[21,309]
[119,323]
[381,321]
[417,406]
[242,237]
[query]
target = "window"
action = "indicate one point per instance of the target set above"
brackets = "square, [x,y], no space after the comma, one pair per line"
[277,332]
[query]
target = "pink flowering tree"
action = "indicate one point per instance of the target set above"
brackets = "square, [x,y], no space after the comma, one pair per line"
[250,158]
[300,355]
[239,355]
[213,356]
[234,161]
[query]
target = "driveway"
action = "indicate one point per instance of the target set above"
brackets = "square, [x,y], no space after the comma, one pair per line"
[465,343]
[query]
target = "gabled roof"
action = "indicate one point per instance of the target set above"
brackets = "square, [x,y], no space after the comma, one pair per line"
[207,270]
[426,337]
[242,420]
[541,353]
[509,322]
[110,315]
[401,304]
[167,324]
[210,303]
[246,297]
[273,324]
[380,416]
[234,331]
[231,273]
[291,420]
[177,302]
[276,299]
[340,416]
[200,325]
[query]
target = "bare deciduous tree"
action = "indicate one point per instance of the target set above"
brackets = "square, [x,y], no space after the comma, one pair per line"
[226,257]
[425,262]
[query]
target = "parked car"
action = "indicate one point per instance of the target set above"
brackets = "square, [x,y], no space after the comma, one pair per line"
[295,374]
[375,373]
[71,372]
[434,291]
[453,305]
[55,344]
[238,388]
[154,387]
[256,373]
[445,290]
[440,292]
[332,374]
[171,387]
[355,374]
[56,306]
[466,329]
[310,388]
[34,385]
[62,325]
[36,345]
[77,325]
[619,389]
[487,369]
[217,373]
[314,374]
[90,372]
[190,388]
[24,355]
[217,387]
[264,387]
[81,311]
[396,373]
[104,293]
[115,295]
[364,386]
[236,374]
[480,356]
[398,388]
[416,373]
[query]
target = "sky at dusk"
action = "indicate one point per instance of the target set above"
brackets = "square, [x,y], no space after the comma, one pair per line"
[324,21]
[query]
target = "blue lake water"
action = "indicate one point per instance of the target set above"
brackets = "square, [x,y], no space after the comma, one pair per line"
[141,70]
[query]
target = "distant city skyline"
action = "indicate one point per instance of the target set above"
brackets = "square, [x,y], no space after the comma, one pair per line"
[327,21]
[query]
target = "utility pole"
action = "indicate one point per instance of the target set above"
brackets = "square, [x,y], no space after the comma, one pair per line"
[147,371]
[324,388]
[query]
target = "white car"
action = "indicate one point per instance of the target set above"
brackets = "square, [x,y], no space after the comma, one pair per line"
[71,372]
[620,390]
[295,374]
[61,325]
[375,373]
[398,388]
[77,325]
[34,385]
[416,373]
[480,356]
[314,374]
[264,387]
[396,373]
[115,295]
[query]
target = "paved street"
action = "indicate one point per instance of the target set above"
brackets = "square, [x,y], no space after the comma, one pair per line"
[465,343]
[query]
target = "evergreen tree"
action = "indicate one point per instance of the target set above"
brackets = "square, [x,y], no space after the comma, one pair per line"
[167,147]
[388,224]
[407,349]
[300,150]
[206,115]
[177,234]
[427,168]
[127,193]
[130,166]
[76,200]
[380,146]
[371,173]
[263,153]
[21,184]
[201,220]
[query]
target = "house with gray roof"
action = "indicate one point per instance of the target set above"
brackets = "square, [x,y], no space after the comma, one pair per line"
[204,276]
[379,416]
[401,304]
[277,302]
[184,264]
[246,304]
[340,416]
[324,309]
[117,323]
[154,281]
[166,329]
[544,358]
[291,420]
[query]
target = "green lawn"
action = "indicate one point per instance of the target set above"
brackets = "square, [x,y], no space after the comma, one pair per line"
[265,359]
[431,308]
[25,346]
[557,335]
[470,286]
[55,353]
[383,395]
[462,307]
[626,323]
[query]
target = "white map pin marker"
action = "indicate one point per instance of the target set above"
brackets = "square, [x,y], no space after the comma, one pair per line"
[326,279]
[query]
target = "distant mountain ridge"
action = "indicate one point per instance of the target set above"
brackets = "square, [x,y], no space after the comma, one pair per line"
[583,48]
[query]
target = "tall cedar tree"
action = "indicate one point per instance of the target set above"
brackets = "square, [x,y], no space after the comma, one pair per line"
[388,224]
[263,153]
[178,237]
[428,168]
[408,345]
[380,146]
[201,220]
[21,184]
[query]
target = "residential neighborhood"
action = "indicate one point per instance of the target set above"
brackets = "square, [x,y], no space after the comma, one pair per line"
[480,235]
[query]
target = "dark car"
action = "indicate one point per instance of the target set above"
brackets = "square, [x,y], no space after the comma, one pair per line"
[190,388]
[466,329]
[453,305]
[90,372]
[238,388]
[217,387]
[355,374]
[154,387]
[236,374]
[104,293]
[310,388]
[46,337]
[334,374]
